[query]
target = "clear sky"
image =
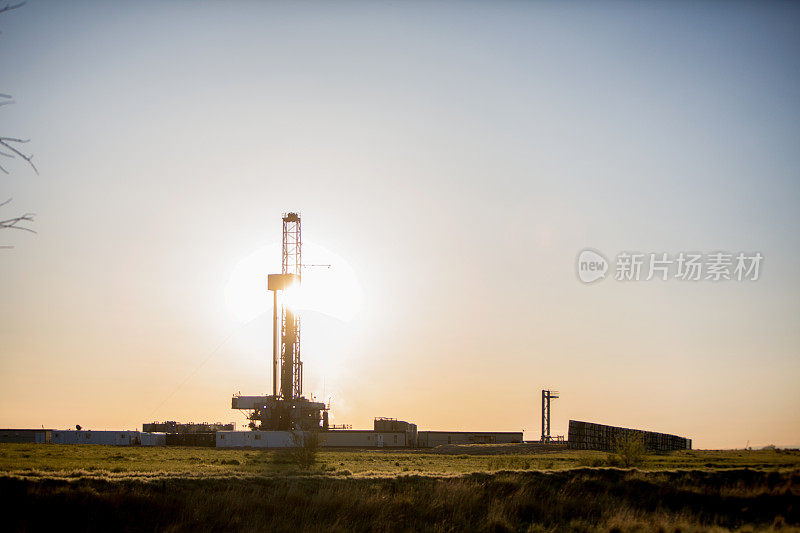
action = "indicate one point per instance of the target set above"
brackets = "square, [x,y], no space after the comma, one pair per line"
[456,158]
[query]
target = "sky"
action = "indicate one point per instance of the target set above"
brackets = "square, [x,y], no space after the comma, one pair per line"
[450,160]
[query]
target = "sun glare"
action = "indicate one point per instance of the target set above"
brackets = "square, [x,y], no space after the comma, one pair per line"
[333,291]
[292,296]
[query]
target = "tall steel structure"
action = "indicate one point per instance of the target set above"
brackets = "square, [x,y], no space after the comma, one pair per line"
[286,408]
[291,265]
[547,395]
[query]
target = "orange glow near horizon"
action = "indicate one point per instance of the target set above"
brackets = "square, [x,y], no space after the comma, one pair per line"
[450,162]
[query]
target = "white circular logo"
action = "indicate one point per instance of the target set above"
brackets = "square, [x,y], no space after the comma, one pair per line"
[591,266]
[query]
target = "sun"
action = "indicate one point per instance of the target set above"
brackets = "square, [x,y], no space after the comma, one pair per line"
[331,290]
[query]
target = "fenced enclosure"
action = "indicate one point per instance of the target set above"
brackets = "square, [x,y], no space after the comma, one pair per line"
[590,436]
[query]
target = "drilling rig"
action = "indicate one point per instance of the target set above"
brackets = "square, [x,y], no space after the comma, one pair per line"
[286,408]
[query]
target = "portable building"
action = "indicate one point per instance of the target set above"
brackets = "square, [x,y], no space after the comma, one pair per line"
[153,439]
[109,438]
[431,439]
[35,436]
[393,425]
[191,439]
[258,439]
[363,438]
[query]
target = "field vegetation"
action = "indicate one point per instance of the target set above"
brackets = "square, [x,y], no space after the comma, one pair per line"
[55,460]
[105,488]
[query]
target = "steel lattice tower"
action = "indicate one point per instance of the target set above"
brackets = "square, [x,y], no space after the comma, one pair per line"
[286,408]
[547,395]
[291,366]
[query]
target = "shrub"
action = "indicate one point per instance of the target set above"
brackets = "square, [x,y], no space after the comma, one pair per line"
[594,461]
[630,451]
[304,452]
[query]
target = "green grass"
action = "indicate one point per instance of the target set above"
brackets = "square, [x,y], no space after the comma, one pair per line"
[107,488]
[215,462]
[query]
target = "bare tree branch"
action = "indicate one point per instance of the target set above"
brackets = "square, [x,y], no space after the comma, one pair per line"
[14,223]
[12,151]
[4,141]
[9,7]
[11,223]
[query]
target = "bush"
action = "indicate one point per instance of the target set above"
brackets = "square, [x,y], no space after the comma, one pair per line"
[595,462]
[304,452]
[630,451]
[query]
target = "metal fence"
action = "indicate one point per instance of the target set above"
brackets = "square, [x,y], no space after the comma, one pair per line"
[589,436]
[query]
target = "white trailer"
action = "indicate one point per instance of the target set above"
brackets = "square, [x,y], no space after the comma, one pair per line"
[258,439]
[109,438]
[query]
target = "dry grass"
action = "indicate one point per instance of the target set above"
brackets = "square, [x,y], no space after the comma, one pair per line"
[578,499]
[215,462]
[105,488]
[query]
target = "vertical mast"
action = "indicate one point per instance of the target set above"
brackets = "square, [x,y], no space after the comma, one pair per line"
[274,342]
[291,366]
[547,395]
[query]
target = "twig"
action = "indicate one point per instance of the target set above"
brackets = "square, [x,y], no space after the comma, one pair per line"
[9,7]
[11,223]
[4,141]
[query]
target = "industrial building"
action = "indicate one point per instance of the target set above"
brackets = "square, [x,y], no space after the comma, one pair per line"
[36,436]
[71,436]
[206,438]
[365,438]
[337,438]
[257,439]
[153,439]
[387,433]
[392,425]
[113,438]
[177,427]
[431,439]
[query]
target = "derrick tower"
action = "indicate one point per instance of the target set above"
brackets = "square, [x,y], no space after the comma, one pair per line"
[286,408]
[291,266]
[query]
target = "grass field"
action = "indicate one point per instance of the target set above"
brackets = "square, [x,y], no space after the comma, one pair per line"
[56,460]
[206,489]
